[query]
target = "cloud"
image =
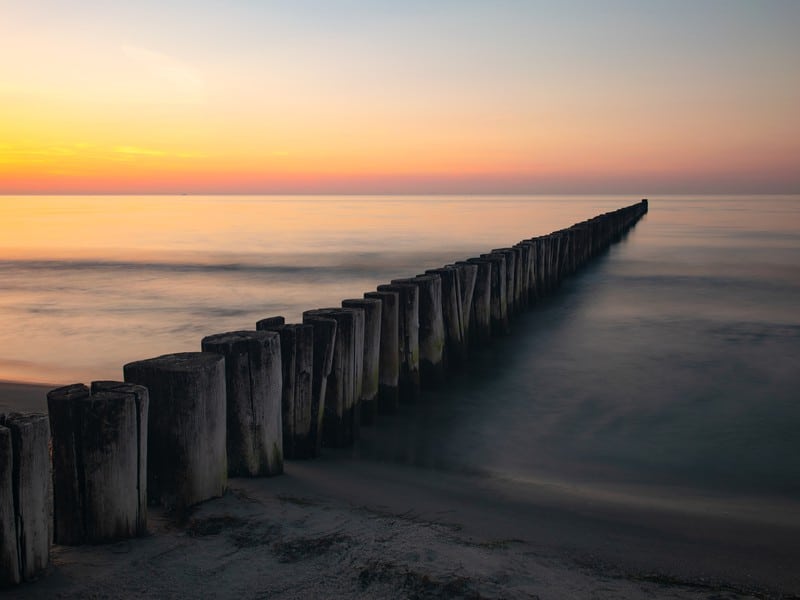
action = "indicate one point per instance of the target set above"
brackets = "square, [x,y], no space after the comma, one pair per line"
[138,151]
[134,151]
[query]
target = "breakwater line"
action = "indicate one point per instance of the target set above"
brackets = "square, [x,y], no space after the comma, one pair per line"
[252,398]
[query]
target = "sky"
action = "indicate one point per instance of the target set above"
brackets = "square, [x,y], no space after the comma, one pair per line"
[437,96]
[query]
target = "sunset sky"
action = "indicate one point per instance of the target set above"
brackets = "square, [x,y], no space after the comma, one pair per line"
[458,96]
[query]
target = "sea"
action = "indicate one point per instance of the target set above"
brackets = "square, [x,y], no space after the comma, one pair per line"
[671,362]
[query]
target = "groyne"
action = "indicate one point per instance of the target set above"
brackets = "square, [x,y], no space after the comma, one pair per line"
[172,432]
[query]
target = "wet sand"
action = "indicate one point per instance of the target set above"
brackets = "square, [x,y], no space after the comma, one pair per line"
[348,527]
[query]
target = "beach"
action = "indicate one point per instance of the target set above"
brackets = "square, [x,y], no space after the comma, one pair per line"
[348,527]
[400,300]
[635,437]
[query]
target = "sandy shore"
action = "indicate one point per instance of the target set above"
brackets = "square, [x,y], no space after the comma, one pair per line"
[353,528]
[23,397]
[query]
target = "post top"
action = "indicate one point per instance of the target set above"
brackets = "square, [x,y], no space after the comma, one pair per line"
[181,362]
[360,302]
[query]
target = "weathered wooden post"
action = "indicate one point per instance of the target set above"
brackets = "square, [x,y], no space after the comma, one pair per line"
[186,456]
[297,360]
[565,237]
[481,314]
[556,258]
[518,278]
[359,320]
[338,419]
[25,496]
[547,263]
[288,360]
[498,294]
[370,376]
[431,328]
[99,440]
[552,258]
[511,279]
[409,380]
[324,336]
[528,248]
[455,348]
[9,558]
[541,281]
[467,276]
[253,400]
[389,355]
[533,292]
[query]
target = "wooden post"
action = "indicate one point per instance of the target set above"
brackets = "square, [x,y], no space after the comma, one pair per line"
[431,328]
[518,283]
[9,557]
[324,339]
[297,360]
[522,275]
[389,356]
[499,291]
[539,268]
[564,254]
[547,262]
[455,348]
[467,276]
[187,461]
[528,248]
[359,321]
[30,496]
[99,461]
[337,429]
[511,279]
[370,375]
[409,383]
[253,400]
[287,343]
[481,314]
[303,446]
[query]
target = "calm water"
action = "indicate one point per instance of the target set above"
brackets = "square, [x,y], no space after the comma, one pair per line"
[670,363]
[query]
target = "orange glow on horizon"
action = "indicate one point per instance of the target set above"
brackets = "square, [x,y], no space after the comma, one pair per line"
[477,103]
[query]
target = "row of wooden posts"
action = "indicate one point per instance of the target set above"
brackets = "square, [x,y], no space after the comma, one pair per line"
[179,425]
